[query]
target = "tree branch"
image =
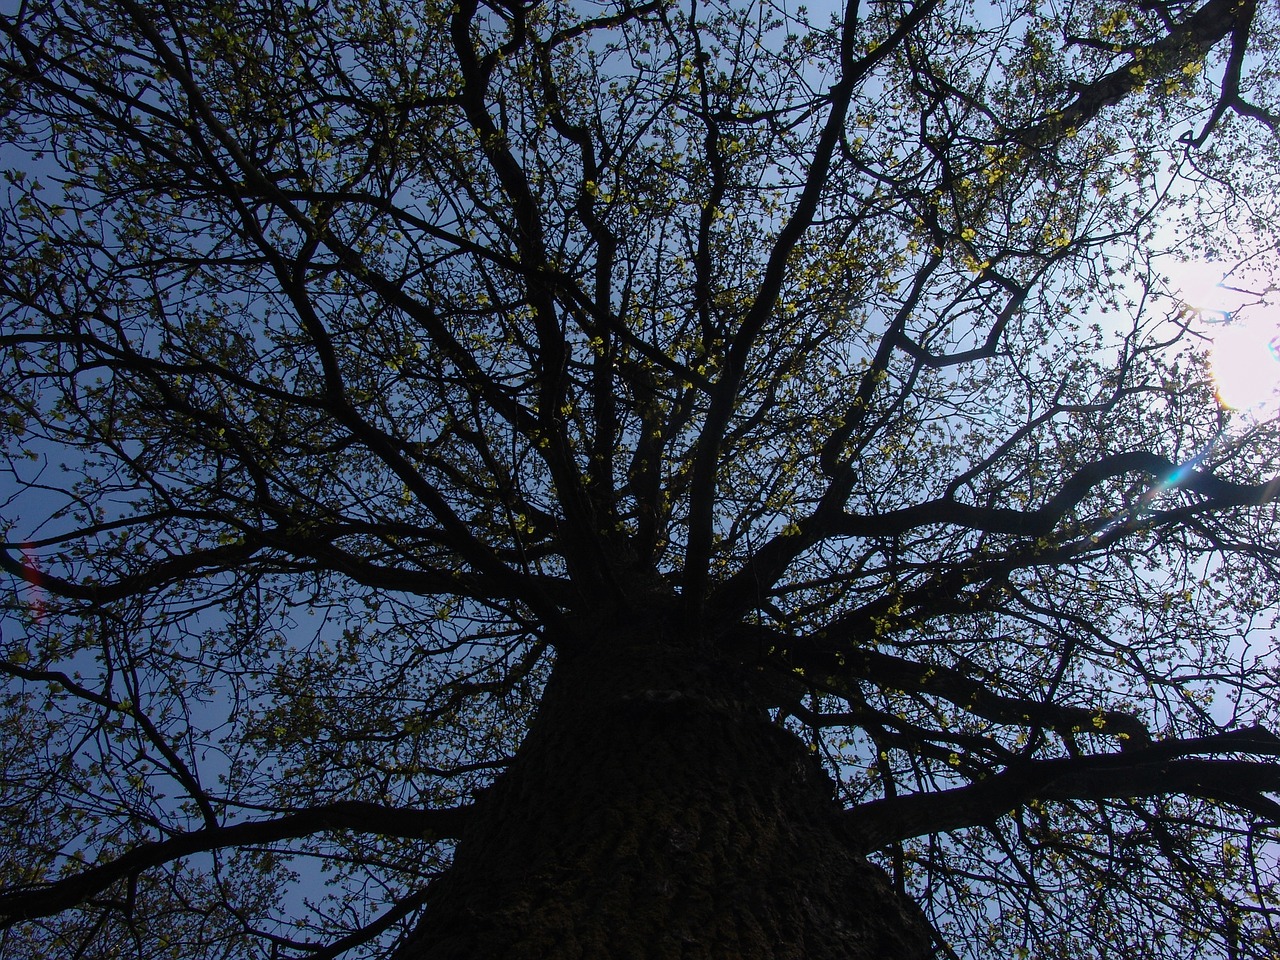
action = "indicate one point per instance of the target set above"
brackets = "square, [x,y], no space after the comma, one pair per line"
[975,696]
[706,457]
[1169,767]
[1042,521]
[768,566]
[1186,43]
[42,901]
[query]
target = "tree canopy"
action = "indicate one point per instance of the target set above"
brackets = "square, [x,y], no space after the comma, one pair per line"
[364,358]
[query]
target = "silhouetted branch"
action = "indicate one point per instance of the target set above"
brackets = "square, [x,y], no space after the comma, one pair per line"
[1186,43]
[1169,767]
[42,901]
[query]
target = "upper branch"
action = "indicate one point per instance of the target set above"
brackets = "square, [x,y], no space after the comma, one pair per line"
[1185,43]
[743,341]
[583,551]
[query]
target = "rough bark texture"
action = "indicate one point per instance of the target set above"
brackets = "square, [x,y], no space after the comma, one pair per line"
[654,812]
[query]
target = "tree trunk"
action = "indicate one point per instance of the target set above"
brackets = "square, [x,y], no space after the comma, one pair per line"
[654,812]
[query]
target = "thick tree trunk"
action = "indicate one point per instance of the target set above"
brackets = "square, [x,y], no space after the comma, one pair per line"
[654,812]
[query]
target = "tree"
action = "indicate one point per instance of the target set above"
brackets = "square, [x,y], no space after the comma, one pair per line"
[618,479]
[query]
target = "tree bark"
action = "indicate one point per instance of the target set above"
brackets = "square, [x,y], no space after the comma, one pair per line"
[654,812]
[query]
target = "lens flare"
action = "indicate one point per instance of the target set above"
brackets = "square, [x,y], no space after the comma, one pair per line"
[36,594]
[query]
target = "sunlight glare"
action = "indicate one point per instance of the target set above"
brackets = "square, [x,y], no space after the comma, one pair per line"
[1244,327]
[1245,362]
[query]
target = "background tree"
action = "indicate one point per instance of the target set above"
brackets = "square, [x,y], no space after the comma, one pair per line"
[785,408]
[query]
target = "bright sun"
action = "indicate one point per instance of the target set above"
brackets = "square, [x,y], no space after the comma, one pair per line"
[1244,326]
